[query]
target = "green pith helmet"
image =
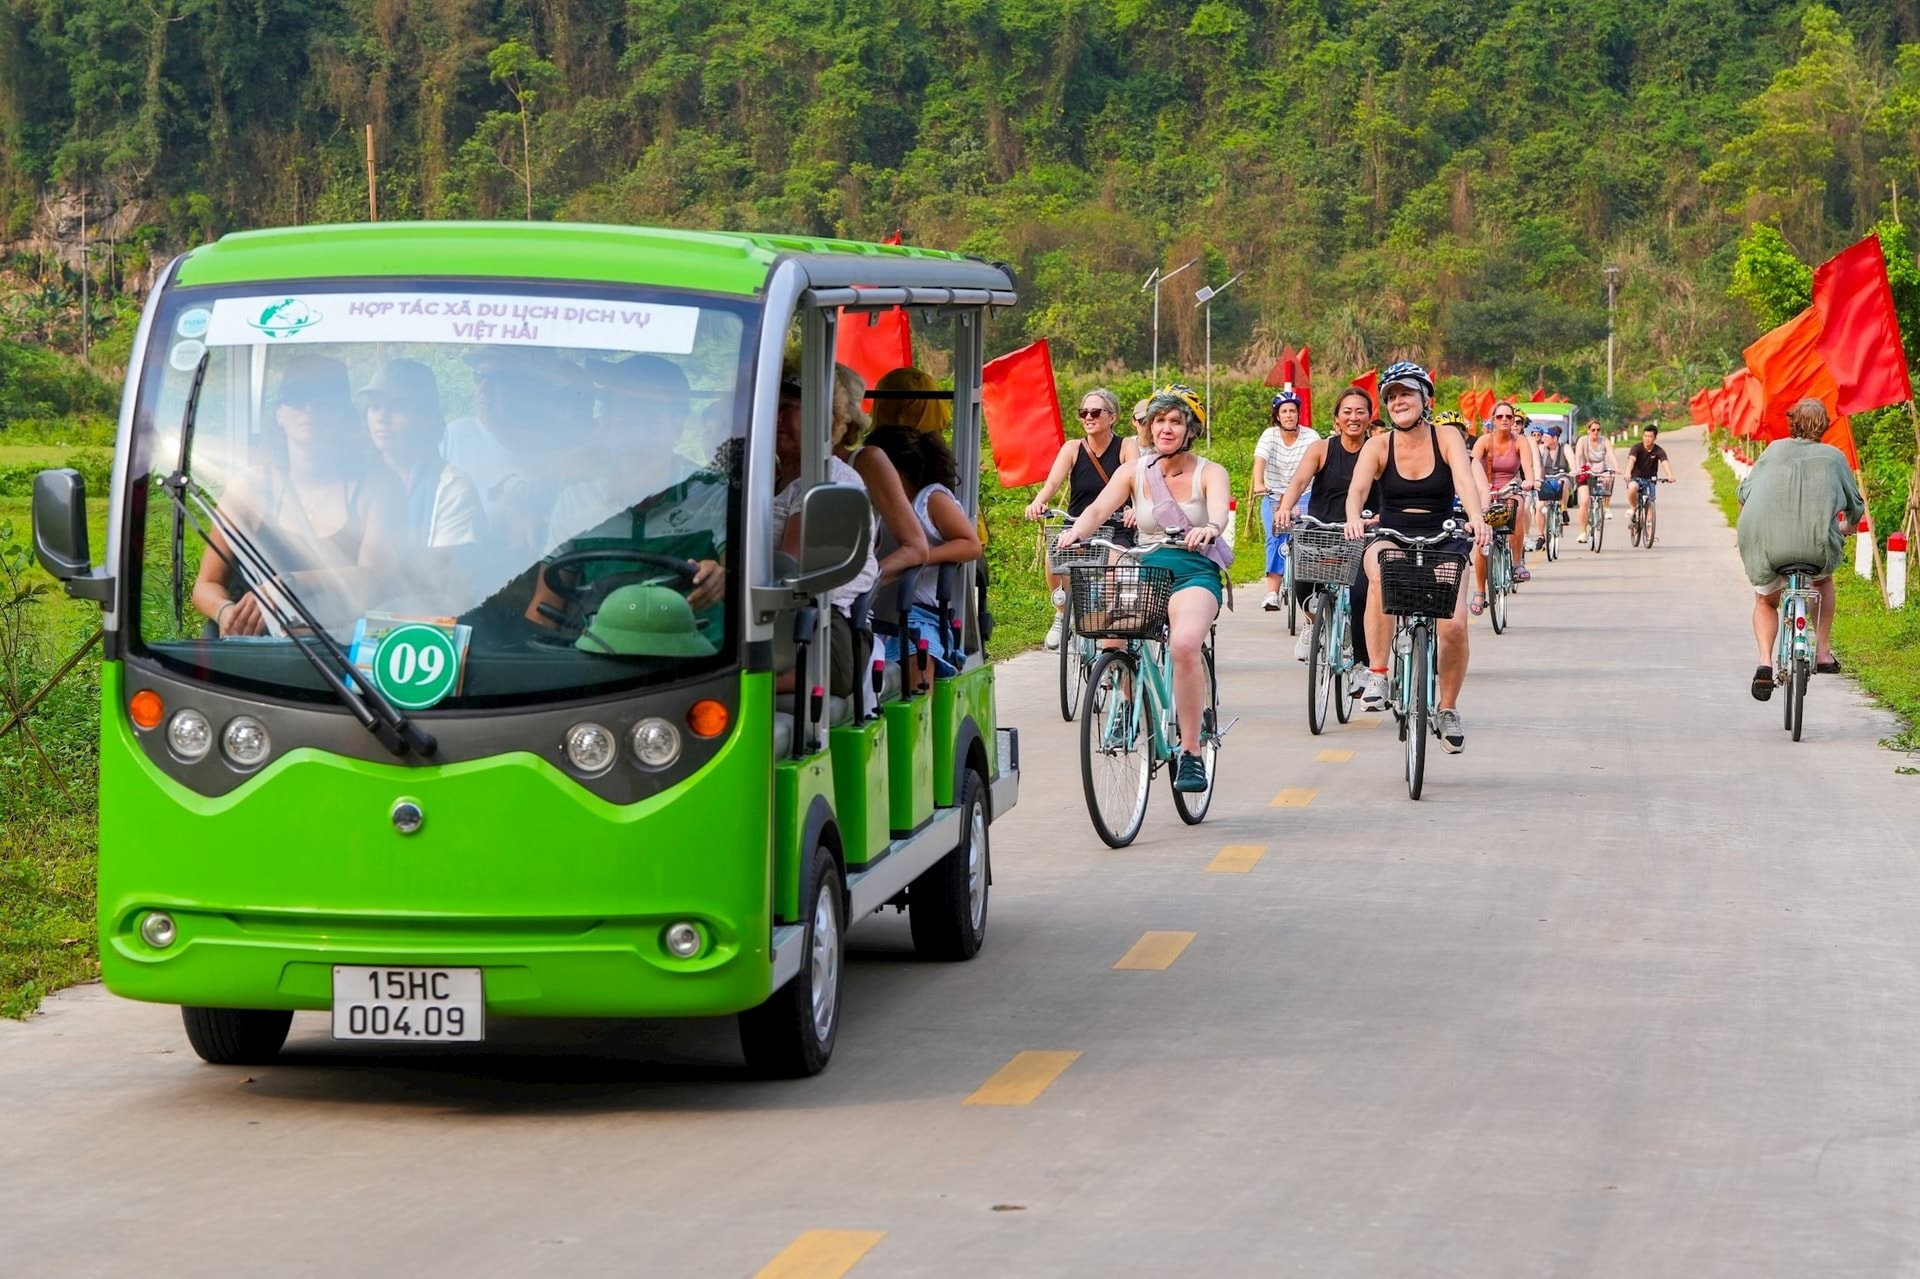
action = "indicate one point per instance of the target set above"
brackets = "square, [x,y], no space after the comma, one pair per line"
[643,620]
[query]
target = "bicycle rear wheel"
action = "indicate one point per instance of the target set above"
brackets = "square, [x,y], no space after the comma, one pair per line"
[1286,588]
[1499,585]
[1798,696]
[1320,674]
[1343,668]
[1073,674]
[1555,518]
[1192,805]
[1116,748]
[1599,523]
[1652,515]
[1417,731]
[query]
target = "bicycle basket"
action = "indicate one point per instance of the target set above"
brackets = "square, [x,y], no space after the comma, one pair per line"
[1500,518]
[1076,556]
[1121,601]
[1326,556]
[1420,583]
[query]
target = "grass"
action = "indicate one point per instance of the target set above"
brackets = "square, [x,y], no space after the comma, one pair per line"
[1875,644]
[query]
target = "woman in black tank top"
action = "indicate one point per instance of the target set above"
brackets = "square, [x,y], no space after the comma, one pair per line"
[1421,468]
[1328,467]
[1084,467]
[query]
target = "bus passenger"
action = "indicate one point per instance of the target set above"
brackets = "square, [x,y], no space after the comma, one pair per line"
[877,476]
[405,422]
[320,509]
[928,414]
[928,470]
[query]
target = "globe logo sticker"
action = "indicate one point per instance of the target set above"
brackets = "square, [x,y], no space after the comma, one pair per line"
[416,666]
[286,318]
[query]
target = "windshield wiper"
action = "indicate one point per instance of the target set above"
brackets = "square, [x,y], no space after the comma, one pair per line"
[376,714]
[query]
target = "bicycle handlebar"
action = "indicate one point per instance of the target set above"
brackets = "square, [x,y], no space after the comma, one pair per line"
[1448,532]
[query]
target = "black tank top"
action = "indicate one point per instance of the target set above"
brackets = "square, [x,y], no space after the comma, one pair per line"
[1084,482]
[1331,482]
[1417,507]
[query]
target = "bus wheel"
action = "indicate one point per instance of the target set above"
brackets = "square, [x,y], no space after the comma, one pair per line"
[236,1036]
[947,905]
[790,1036]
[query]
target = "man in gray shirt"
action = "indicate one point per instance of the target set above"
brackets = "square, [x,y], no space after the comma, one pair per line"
[1790,509]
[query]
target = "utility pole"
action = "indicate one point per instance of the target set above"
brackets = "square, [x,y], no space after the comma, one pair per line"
[1613,275]
[85,300]
[1204,298]
[1154,280]
[373,181]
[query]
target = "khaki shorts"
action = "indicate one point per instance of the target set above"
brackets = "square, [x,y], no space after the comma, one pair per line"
[1780,584]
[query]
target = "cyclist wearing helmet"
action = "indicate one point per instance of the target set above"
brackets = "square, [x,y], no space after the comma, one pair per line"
[1422,471]
[1595,457]
[1503,456]
[1275,459]
[1180,502]
[1084,467]
[1554,465]
[1328,467]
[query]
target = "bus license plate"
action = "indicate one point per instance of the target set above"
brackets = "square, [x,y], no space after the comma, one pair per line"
[421,1005]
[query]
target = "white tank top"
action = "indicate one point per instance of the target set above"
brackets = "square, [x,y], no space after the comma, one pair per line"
[1195,507]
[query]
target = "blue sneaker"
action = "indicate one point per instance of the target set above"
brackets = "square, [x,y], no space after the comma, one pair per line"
[1190,774]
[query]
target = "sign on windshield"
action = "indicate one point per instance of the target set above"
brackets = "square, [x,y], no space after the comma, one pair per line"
[481,318]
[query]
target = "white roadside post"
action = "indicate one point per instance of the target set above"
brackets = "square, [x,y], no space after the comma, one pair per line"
[1897,571]
[1863,549]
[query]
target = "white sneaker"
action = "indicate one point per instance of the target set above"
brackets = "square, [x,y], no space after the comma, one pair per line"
[1272,603]
[1582,539]
[1303,646]
[1054,631]
[1375,692]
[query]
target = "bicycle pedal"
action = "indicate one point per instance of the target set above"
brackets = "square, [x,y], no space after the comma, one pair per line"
[1222,733]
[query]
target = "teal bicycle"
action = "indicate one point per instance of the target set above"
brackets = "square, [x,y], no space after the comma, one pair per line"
[1128,731]
[1794,647]
[1324,556]
[1419,585]
[1077,652]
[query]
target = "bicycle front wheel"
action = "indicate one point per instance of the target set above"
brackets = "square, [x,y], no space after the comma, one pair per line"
[1554,520]
[1651,513]
[1293,602]
[1320,669]
[1418,677]
[1499,585]
[1599,523]
[1343,668]
[1192,805]
[1116,748]
[1797,696]
[1073,673]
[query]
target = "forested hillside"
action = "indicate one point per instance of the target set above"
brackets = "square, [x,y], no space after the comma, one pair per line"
[1440,177]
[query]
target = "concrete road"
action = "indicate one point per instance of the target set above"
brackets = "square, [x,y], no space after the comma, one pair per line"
[1635,990]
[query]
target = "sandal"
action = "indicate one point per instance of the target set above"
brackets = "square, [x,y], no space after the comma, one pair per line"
[1479,604]
[1763,683]
[1829,667]
[1521,574]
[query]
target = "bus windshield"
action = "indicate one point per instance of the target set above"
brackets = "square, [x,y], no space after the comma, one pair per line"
[546,475]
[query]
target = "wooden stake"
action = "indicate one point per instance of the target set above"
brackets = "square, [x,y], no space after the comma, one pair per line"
[373,184]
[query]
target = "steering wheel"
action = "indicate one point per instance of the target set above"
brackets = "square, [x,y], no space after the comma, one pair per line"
[583,600]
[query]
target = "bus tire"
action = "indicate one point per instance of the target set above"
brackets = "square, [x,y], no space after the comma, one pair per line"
[947,904]
[237,1036]
[790,1034]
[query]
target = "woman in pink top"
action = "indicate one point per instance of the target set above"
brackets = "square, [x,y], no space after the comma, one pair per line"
[1504,457]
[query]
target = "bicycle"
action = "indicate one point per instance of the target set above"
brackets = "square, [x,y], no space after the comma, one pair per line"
[1419,584]
[1077,653]
[1600,489]
[1796,643]
[1330,561]
[1556,517]
[1500,518]
[1129,729]
[1640,525]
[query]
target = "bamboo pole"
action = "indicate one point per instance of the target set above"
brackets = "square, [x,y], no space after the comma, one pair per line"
[373,183]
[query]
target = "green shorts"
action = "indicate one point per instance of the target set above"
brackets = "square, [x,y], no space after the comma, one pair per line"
[1189,568]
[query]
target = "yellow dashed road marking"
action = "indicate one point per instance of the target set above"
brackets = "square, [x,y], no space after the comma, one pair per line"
[1334,757]
[1237,859]
[1294,797]
[1155,951]
[1022,1079]
[821,1254]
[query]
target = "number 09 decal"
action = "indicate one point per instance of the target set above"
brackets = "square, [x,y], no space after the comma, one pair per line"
[416,666]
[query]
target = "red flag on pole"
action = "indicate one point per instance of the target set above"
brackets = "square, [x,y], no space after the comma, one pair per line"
[1539,395]
[1022,410]
[1698,407]
[874,343]
[1370,383]
[1745,403]
[1859,334]
[1786,362]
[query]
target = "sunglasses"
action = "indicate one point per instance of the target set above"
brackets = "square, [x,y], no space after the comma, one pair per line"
[1087,413]
[1503,417]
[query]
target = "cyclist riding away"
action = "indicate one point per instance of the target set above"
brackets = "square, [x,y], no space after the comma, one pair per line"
[1789,504]
[1554,466]
[1180,507]
[1646,466]
[1595,457]
[1085,466]
[1422,471]
[1328,467]
[1275,459]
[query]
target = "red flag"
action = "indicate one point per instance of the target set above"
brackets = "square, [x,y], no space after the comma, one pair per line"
[875,343]
[1488,398]
[1745,402]
[1539,395]
[1786,361]
[1284,368]
[1840,435]
[1370,383]
[1859,335]
[1698,406]
[1022,409]
[1470,404]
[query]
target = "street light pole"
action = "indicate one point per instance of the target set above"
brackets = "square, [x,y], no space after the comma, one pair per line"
[1613,274]
[1154,280]
[1205,298]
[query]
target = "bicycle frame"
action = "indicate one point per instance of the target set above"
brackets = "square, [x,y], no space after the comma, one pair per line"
[1799,626]
[1400,685]
[1152,665]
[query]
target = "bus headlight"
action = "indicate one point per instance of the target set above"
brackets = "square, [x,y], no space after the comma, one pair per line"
[683,940]
[246,742]
[157,930]
[656,743]
[190,736]
[590,748]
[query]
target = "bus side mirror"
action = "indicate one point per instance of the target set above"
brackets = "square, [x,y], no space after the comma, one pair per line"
[60,534]
[836,533]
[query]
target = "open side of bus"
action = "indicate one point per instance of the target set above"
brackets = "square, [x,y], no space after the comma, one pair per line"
[492,870]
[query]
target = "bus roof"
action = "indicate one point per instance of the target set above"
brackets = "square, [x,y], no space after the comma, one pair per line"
[714,262]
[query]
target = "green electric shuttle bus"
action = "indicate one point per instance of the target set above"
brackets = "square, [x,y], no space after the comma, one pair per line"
[464,659]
